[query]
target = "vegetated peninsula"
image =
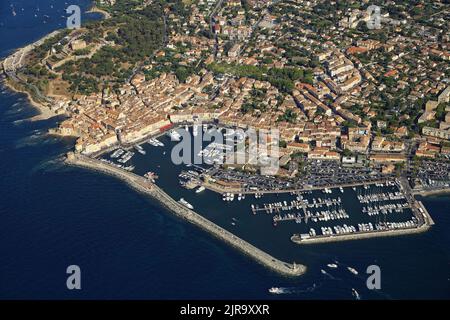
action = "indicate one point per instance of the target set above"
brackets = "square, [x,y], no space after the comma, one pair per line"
[353,104]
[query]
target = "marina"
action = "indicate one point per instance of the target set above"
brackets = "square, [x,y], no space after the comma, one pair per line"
[310,215]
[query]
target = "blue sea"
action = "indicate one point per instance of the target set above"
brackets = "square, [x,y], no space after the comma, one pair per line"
[128,247]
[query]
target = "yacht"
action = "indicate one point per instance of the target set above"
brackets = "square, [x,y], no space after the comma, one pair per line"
[356,294]
[186,204]
[332,265]
[151,176]
[352,270]
[126,157]
[175,136]
[200,189]
[117,153]
[140,149]
[195,130]
[155,142]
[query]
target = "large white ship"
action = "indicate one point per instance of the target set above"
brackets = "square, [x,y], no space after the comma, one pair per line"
[186,204]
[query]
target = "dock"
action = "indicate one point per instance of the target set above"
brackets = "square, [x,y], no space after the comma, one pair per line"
[213,187]
[359,235]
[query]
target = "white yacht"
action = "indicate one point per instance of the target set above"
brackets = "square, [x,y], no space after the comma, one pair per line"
[140,149]
[175,136]
[200,189]
[352,270]
[117,153]
[186,204]
[195,130]
[356,294]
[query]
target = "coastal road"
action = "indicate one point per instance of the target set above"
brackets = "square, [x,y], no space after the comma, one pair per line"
[15,62]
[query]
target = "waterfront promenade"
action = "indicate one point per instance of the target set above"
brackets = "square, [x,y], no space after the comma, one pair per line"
[143,185]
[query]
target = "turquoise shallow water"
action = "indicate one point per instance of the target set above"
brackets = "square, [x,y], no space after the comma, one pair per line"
[127,246]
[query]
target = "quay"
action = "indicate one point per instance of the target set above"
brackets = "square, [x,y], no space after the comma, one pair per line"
[425,213]
[214,188]
[145,186]
[431,192]
[360,235]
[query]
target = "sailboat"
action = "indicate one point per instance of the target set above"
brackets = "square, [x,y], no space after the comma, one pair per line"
[356,294]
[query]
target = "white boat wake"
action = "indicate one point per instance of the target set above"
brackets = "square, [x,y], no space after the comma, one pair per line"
[294,290]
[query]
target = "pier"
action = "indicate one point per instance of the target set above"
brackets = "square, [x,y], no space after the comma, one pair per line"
[145,186]
[359,235]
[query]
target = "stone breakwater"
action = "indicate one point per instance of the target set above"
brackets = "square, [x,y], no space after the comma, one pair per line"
[362,235]
[143,185]
[432,192]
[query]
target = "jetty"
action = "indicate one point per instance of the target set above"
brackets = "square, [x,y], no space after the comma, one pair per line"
[147,187]
[359,235]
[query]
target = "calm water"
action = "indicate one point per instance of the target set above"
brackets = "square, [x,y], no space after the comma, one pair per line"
[52,216]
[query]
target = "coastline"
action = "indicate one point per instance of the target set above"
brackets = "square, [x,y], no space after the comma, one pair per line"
[144,186]
[9,73]
[44,112]
[95,9]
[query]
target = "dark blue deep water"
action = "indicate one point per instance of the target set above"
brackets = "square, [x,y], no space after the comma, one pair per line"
[53,216]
